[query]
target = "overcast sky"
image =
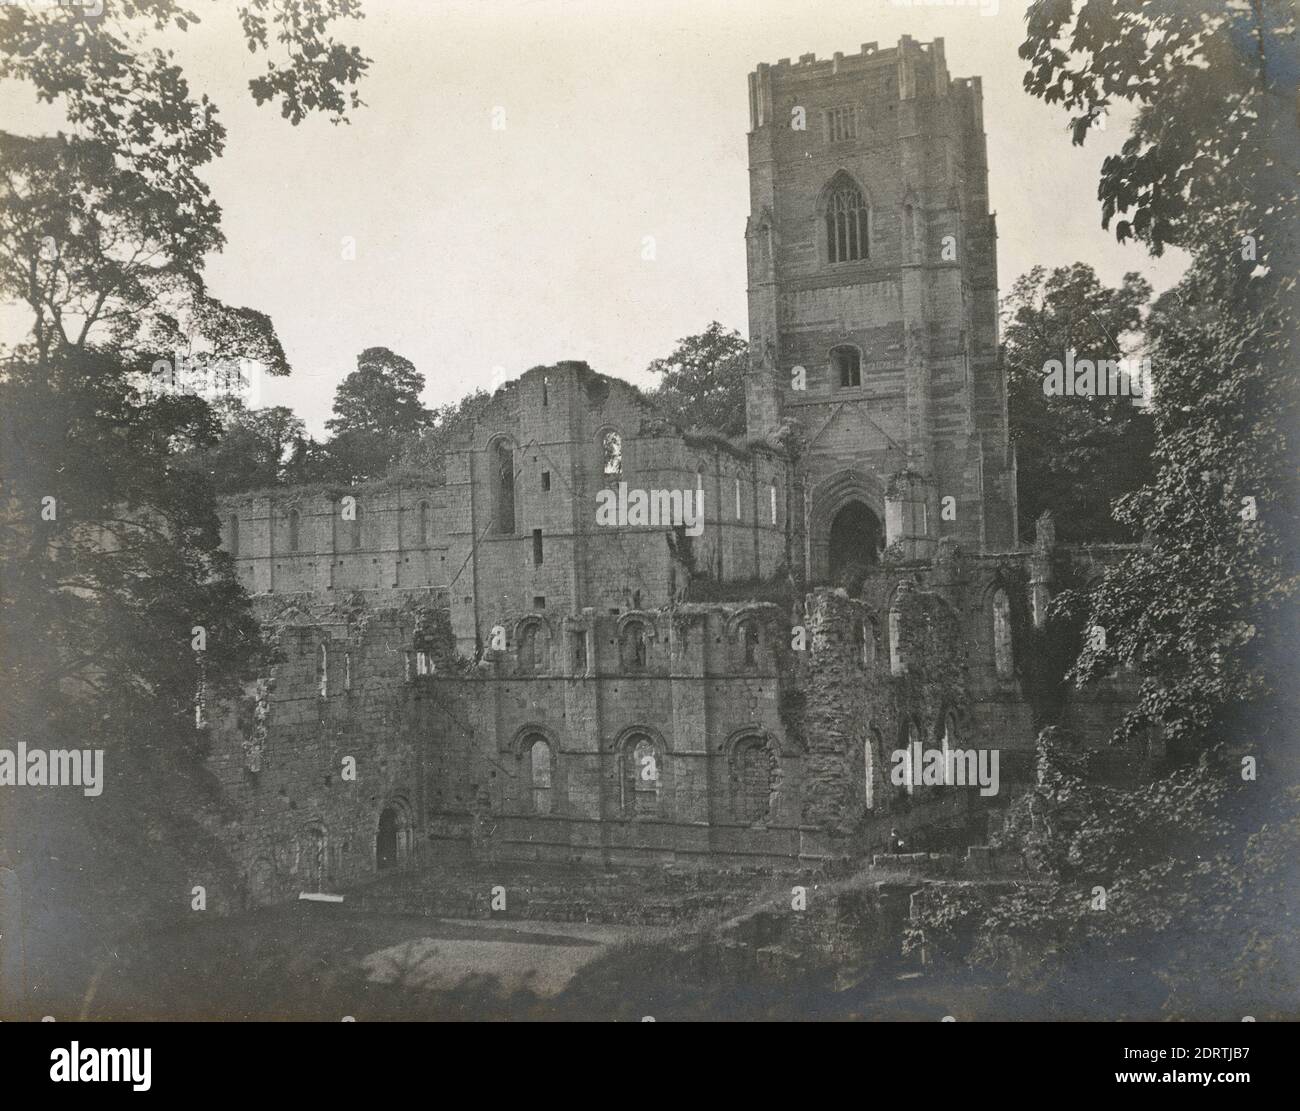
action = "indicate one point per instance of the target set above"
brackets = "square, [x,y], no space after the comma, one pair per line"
[483,252]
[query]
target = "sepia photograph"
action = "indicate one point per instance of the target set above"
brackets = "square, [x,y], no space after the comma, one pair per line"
[648,511]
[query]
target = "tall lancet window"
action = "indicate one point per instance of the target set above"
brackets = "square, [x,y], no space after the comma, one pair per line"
[846,224]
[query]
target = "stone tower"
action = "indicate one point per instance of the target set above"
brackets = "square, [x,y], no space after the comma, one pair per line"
[873,302]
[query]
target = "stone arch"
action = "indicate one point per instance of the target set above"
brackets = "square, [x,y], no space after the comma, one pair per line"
[782,743]
[532,639]
[754,776]
[998,620]
[610,441]
[537,755]
[636,630]
[394,834]
[645,617]
[844,224]
[502,474]
[644,773]
[829,498]
[742,615]
[519,741]
[747,634]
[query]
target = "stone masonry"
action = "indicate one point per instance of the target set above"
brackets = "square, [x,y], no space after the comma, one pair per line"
[484,669]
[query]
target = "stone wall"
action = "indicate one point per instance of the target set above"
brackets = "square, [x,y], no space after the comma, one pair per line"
[321,746]
[919,307]
[772,735]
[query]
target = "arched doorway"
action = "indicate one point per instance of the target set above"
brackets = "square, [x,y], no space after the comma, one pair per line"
[845,515]
[854,539]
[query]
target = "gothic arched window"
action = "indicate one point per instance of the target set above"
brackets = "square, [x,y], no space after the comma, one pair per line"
[611,444]
[1002,657]
[538,754]
[295,520]
[503,457]
[846,224]
[632,646]
[528,648]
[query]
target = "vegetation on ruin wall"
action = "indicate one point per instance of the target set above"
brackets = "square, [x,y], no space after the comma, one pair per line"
[1152,893]
[778,588]
[1188,882]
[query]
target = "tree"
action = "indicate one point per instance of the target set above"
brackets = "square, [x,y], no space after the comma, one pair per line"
[1162,886]
[703,384]
[255,449]
[112,560]
[425,453]
[120,611]
[1074,454]
[1205,610]
[377,408]
[103,236]
[1201,859]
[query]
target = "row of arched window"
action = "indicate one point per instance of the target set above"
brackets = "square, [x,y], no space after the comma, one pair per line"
[753,772]
[866,637]
[909,734]
[754,776]
[635,637]
[293,526]
[505,475]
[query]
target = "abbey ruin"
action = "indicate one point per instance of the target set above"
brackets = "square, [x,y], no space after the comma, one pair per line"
[481,668]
